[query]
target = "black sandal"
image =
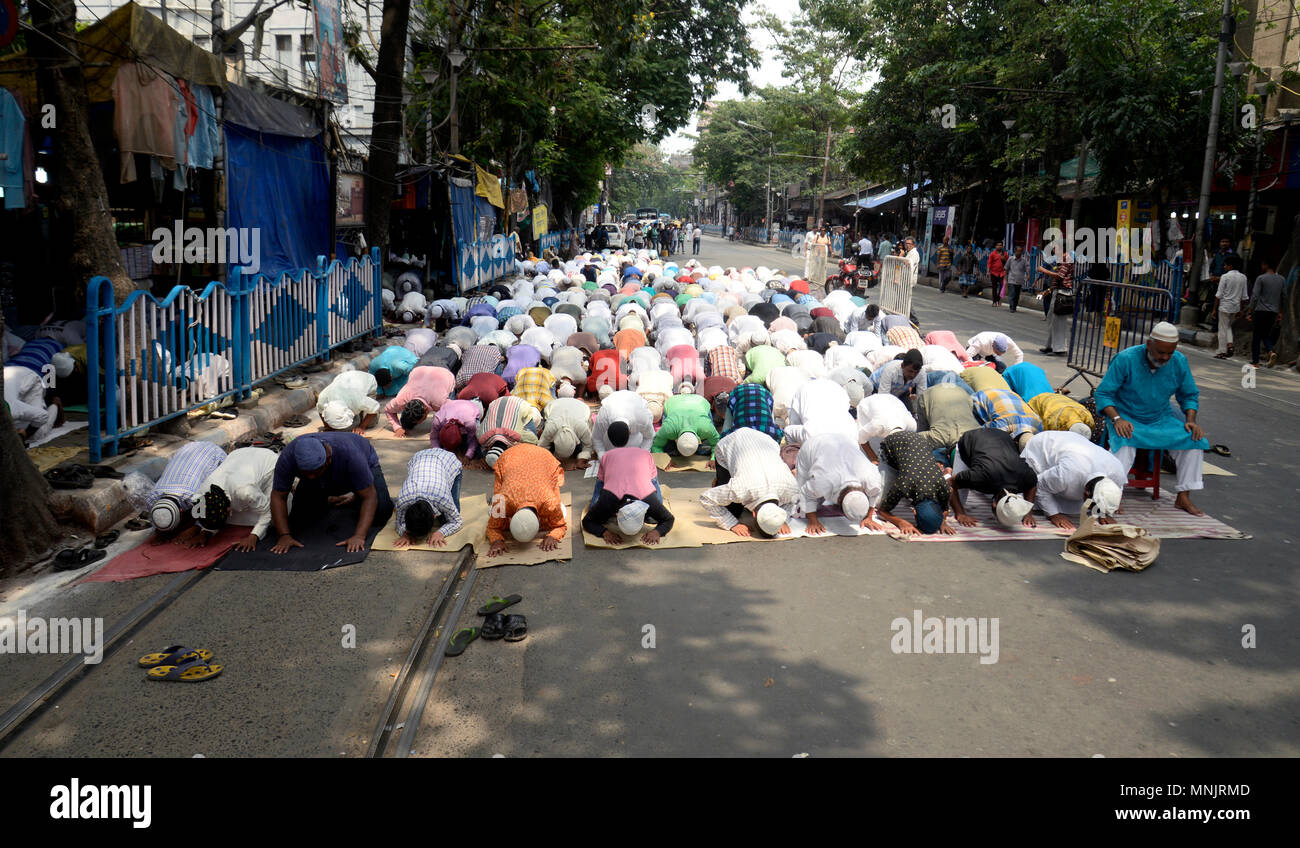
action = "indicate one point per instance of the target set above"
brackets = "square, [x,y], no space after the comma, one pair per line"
[106,472]
[1221,450]
[516,628]
[103,540]
[70,477]
[494,626]
[69,559]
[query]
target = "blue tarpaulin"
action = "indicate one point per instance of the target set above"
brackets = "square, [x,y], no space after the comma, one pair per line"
[280,185]
[466,209]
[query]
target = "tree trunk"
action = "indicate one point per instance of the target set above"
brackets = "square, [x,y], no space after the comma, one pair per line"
[1287,346]
[82,196]
[1079,173]
[386,135]
[28,529]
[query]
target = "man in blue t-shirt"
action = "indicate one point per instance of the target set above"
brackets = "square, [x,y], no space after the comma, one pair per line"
[333,469]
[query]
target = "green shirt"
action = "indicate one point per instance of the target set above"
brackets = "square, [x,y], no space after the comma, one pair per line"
[760,360]
[685,414]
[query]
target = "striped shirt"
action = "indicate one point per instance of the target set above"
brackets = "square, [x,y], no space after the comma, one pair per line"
[510,417]
[186,471]
[430,476]
[478,359]
[758,474]
[725,362]
[1005,411]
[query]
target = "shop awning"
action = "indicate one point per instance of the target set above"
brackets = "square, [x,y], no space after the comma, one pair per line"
[882,199]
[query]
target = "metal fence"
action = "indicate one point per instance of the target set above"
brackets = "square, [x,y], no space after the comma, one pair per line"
[162,358]
[1109,317]
[480,262]
[896,282]
[556,240]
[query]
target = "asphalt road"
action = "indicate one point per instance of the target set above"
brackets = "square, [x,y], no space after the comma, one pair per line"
[772,649]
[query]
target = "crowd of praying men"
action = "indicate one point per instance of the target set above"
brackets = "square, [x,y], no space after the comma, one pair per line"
[801,406]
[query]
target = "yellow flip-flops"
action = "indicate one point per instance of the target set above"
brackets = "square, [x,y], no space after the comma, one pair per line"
[194,671]
[175,655]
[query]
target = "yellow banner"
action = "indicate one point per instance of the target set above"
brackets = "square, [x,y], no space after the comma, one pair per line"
[1111,339]
[540,224]
[489,187]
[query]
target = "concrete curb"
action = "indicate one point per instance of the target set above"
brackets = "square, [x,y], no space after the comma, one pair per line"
[105,505]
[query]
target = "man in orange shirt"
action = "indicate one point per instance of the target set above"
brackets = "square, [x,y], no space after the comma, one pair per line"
[526,499]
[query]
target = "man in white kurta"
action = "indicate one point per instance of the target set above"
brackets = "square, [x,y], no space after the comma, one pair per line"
[631,409]
[244,477]
[879,416]
[1068,468]
[831,469]
[991,345]
[784,382]
[819,406]
[349,401]
[654,386]
[568,426]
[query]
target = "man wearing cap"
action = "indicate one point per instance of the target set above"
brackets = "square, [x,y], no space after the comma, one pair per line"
[987,461]
[1071,469]
[688,424]
[391,368]
[832,470]
[25,376]
[751,475]
[425,391]
[995,347]
[430,492]
[455,424]
[568,426]
[507,421]
[239,493]
[333,469]
[627,485]
[1134,396]
[526,483]
[908,470]
[173,496]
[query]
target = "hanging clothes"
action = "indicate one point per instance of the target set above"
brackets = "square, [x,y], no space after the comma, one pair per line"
[16,152]
[206,136]
[144,116]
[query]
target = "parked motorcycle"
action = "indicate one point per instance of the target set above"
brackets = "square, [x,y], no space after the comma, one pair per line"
[851,278]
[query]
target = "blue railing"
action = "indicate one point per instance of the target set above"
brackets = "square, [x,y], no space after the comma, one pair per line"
[159,359]
[480,263]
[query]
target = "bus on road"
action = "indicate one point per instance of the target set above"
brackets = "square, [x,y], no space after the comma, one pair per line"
[647,213]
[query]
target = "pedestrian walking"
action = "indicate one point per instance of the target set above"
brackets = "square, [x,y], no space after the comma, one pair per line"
[966,268]
[1262,311]
[997,274]
[1017,277]
[1227,302]
[943,258]
[695,241]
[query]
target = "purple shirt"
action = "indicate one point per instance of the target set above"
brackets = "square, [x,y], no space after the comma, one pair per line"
[518,358]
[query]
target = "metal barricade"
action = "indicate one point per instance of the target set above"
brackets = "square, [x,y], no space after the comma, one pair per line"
[896,282]
[1109,317]
[159,359]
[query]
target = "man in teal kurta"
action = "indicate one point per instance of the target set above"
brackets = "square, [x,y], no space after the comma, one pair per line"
[1134,397]
[391,368]
[683,414]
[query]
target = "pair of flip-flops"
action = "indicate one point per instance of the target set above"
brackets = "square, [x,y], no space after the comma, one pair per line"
[511,628]
[73,558]
[180,663]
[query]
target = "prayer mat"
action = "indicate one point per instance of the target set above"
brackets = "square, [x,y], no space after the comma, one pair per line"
[148,559]
[988,529]
[319,551]
[476,511]
[63,429]
[695,525]
[1163,520]
[468,532]
[1209,469]
[668,462]
[673,540]
[47,457]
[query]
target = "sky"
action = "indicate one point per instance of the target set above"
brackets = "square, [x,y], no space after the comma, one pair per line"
[769,73]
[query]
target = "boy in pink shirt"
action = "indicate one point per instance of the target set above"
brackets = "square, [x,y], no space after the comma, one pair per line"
[427,388]
[627,486]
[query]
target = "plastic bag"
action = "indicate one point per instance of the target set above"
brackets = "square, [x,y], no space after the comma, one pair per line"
[138,487]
